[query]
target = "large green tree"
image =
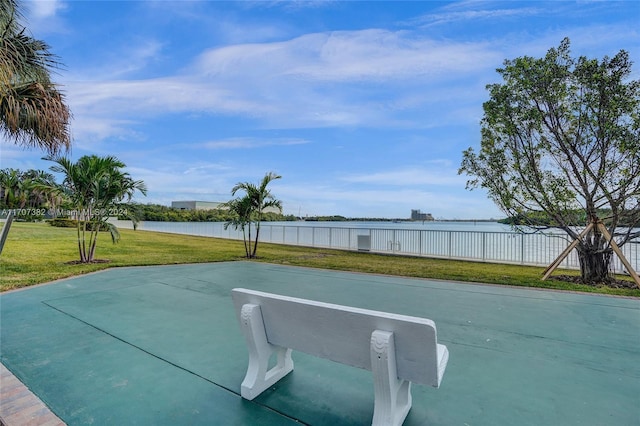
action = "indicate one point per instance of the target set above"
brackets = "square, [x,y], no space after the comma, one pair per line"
[94,186]
[561,135]
[251,207]
[33,112]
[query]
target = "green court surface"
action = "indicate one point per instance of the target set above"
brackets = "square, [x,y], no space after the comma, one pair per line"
[161,346]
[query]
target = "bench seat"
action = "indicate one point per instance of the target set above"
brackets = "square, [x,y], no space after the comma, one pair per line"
[398,349]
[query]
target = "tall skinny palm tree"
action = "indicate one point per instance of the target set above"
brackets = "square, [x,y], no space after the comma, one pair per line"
[260,198]
[240,210]
[94,185]
[33,112]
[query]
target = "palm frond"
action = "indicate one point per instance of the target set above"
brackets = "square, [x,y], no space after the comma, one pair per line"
[33,111]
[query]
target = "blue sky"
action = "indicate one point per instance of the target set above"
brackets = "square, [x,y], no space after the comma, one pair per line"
[364,108]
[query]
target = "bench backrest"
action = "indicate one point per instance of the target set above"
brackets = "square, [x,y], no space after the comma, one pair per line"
[343,334]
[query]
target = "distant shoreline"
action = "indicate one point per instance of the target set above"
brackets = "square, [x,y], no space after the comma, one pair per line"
[383,219]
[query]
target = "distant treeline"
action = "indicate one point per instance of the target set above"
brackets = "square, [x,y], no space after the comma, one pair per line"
[542,219]
[160,213]
[338,218]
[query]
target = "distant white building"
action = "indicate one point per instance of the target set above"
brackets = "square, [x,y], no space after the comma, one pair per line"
[196,205]
[418,215]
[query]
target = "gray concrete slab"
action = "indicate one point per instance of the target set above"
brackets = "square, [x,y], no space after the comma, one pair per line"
[160,345]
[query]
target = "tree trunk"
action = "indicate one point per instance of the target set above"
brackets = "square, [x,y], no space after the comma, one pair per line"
[249,247]
[93,239]
[80,234]
[594,265]
[255,243]
[244,239]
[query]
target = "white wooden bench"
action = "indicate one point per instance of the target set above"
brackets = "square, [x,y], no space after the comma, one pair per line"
[397,349]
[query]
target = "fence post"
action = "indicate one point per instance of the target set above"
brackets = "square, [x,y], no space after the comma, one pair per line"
[484,246]
[393,241]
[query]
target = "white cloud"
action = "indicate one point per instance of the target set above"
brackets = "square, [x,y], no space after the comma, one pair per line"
[207,168]
[44,9]
[235,31]
[9,151]
[367,55]
[463,13]
[298,83]
[325,199]
[210,181]
[90,129]
[432,175]
[126,61]
[154,97]
[43,16]
[248,143]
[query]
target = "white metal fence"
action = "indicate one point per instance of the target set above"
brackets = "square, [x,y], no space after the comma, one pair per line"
[496,247]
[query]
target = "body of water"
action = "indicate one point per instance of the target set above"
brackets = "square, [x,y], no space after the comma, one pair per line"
[473,226]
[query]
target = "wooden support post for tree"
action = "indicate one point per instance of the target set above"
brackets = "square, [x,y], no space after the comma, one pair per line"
[5,229]
[621,256]
[614,246]
[565,253]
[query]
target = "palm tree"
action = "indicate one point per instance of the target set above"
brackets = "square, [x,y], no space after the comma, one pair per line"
[32,110]
[259,199]
[93,186]
[240,210]
[9,181]
[38,182]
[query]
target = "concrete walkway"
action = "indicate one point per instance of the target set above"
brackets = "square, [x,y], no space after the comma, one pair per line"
[20,407]
[160,345]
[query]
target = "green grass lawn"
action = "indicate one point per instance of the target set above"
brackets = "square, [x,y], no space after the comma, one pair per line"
[37,253]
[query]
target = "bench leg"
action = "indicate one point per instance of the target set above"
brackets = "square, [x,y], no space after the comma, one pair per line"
[392,396]
[259,377]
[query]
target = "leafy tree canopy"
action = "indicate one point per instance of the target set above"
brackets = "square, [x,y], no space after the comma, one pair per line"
[93,185]
[561,135]
[251,208]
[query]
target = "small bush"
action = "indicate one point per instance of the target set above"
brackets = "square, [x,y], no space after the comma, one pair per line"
[64,222]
